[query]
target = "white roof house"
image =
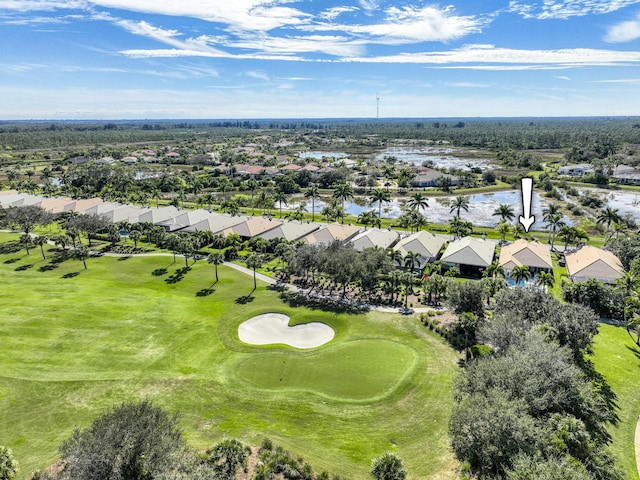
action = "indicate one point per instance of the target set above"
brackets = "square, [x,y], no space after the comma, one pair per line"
[215,223]
[184,219]
[469,251]
[291,230]
[374,238]
[331,233]
[425,244]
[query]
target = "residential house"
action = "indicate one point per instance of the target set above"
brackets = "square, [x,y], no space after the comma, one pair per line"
[331,233]
[374,237]
[471,255]
[425,244]
[593,263]
[535,255]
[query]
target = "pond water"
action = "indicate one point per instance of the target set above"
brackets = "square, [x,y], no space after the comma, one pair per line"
[625,202]
[318,155]
[481,208]
[442,157]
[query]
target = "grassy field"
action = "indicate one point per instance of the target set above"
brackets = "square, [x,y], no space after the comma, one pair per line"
[76,341]
[617,358]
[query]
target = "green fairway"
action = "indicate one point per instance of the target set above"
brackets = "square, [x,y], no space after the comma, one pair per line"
[617,358]
[76,341]
[358,370]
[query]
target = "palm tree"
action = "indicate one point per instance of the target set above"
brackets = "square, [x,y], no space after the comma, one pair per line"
[216,259]
[313,192]
[459,228]
[546,279]
[503,228]
[395,256]
[554,222]
[41,241]
[410,260]
[135,235]
[342,192]
[505,212]
[253,261]
[252,185]
[281,198]
[494,270]
[81,253]
[208,198]
[379,195]
[608,216]
[264,201]
[459,203]
[520,273]
[418,202]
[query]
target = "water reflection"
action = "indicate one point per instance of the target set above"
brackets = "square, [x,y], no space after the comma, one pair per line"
[481,208]
[442,157]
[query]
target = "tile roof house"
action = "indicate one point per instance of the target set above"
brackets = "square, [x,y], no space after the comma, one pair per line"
[252,227]
[331,233]
[292,167]
[157,215]
[591,262]
[536,256]
[81,205]
[374,238]
[425,244]
[470,255]
[55,204]
[216,223]
[183,220]
[291,230]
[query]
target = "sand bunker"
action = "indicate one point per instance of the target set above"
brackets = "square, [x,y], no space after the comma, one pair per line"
[272,328]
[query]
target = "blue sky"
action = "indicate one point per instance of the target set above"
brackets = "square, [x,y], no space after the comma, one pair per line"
[113,59]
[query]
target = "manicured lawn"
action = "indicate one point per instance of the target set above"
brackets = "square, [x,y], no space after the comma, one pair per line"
[76,341]
[617,358]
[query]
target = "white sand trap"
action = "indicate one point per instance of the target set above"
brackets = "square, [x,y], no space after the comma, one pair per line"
[272,328]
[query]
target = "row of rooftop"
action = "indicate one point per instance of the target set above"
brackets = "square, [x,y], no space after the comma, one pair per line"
[470,255]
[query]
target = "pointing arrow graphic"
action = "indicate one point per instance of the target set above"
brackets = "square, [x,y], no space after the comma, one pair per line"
[527,194]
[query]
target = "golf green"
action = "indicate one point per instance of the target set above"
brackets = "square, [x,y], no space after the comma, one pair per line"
[360,370]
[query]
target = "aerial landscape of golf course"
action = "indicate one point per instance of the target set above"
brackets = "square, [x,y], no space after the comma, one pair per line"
[77,341]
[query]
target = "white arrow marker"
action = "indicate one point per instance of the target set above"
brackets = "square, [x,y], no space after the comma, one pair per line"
[527,195]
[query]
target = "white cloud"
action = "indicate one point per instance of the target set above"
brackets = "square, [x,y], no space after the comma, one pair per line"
[563,77]
[409,25]
[239,15]
[369,6]
[258,75]
[334,12]
[474,54]
[624,31]
[567,8]
[41,5]
[469,85]
[631,81]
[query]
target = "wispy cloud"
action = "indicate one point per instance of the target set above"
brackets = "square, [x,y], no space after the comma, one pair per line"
[631,81]
[624,31]
[561,9]
[333,13]
[258,75]
[563,77]
[469,85]
[369,6]
[488,54]
[406,25]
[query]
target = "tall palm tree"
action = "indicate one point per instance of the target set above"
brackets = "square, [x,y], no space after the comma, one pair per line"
[546,279]
[410,260]
[494,270]
[418,201]
[503,228]
[395,256]
[252,185]
[264,201]
[505,212]
[554,222]
[342,192]
[313,192]
[254,261]
[41,241]
[608,216]
[281,198]
[216,259]
[520,273]
[379,195]
[459,203]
